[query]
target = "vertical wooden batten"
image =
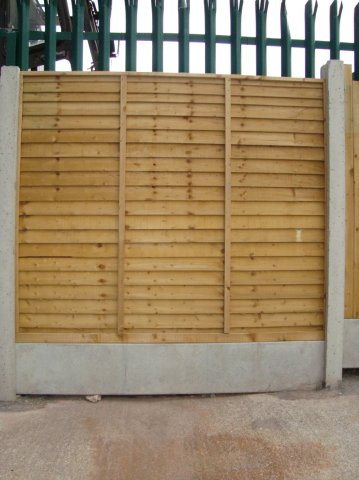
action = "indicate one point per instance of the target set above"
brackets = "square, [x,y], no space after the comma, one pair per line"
[355,133]
[121,209]
[350,207]
[227,206]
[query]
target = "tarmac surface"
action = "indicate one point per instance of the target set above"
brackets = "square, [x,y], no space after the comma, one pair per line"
[282,436]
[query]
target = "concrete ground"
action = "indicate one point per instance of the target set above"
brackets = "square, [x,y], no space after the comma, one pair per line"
[289,436]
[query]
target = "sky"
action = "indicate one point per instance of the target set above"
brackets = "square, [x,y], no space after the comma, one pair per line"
[295,10]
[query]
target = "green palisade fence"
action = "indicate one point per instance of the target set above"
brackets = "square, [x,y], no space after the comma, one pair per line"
[16,43]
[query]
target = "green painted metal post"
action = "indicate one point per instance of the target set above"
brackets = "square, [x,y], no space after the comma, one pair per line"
[286,42]
[131,34]
[210,7]
[50,34]
[23,8]
[77,34]
[183,35]
[157,35]
[10,48]
[310,38]
[261,36]
[335,30]
[236,35]
[356,42]
[104,34]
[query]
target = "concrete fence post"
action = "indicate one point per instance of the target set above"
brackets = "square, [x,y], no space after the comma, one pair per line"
[333,74]
[9,135]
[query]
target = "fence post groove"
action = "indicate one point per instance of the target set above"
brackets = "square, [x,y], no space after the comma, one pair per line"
[227,204]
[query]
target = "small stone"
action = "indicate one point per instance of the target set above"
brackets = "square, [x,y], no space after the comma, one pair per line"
[93,398]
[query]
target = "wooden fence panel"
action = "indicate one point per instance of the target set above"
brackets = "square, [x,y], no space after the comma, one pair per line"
[170,208]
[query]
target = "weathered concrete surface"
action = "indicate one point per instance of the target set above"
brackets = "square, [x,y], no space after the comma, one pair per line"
[150,369]
[286,436]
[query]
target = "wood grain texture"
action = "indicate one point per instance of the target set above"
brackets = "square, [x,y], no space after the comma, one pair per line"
[163,208]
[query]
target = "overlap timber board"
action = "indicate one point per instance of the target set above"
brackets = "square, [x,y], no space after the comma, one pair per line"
[170,208]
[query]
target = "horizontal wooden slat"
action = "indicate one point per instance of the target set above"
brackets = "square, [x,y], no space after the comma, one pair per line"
[178,222]
[69,150]
[172,277]
[175,137]
[70,136]
[173,321]
[277,112]
[275,277]
[277,138]
[271,152]
[277,305]
[277,102]
[93,122]
[213,321]
[174,250]
[68,264]
[79,96]
[278,208]
[272,180]
[68,321]
[140,122]
[182,98]
[297,235]
[68,179]
[285,320]
[56,292]
[275,91]
[67,194]
[68,208]
[73,222]
[197,264]
[278,166]
[69,164]
[85,250]
[277,249]
[174,109]
[167,307]
[71,108]
[69,236]
[273,221]
[68,306]
[178,292]
[52,86]
[175,179]
[136,150]
[276,291]
[67,278]
[216,292]
[277,263]
[276,125]
[278,194]
[169,336]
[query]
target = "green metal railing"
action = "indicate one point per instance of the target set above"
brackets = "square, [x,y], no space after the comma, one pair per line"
[17,42]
